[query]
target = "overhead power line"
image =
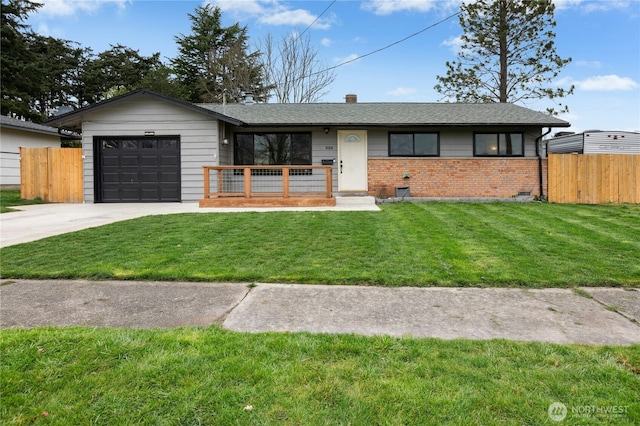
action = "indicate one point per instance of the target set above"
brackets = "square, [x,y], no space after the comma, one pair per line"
[297,37]
[316,20]
[387,46]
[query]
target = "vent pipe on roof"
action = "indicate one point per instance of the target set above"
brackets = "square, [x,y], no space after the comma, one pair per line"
[351,98]
[248,99]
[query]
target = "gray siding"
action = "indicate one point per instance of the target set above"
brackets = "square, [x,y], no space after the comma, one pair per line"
[198,138]
[10,142]
[454,142]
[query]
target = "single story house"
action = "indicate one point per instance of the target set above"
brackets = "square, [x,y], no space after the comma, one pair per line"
[143,146]
[16,133]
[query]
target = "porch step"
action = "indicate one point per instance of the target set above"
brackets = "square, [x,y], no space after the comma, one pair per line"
[353,200]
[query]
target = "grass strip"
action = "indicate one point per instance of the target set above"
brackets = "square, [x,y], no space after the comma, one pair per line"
[213,376]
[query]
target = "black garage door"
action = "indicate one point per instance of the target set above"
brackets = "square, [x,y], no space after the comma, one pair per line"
[134,169]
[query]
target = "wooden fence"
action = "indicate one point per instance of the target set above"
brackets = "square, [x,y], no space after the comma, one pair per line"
[53,174]
[594,178]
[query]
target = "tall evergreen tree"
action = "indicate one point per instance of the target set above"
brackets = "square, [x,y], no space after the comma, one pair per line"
[162,80]
[16,84]
[117,70]
[214,60]
[39,73]
[507,54]
[54,72]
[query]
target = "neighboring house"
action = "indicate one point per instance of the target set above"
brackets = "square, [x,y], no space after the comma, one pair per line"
[16,133]
[143,146]
[595,142]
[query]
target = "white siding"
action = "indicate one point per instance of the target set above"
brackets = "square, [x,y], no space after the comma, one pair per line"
[198,138]
[599,142]
[612,143]
[10,142]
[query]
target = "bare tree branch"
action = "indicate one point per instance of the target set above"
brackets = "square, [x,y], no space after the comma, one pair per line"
[293,70]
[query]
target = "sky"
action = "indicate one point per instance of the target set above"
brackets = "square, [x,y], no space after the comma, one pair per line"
[602,37]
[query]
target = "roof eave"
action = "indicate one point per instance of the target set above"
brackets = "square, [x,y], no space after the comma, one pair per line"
[72,116]
[364,124]
[53,131]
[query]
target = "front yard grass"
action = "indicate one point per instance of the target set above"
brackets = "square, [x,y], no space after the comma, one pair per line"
[422,244]
[210,376]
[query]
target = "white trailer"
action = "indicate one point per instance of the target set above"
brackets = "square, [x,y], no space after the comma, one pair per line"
[595,142]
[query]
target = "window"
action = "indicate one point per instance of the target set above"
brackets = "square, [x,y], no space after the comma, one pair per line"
[414,144]
[498,144]
[266,149]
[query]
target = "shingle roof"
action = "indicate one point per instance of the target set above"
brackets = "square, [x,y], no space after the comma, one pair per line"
[14,123]
[386,114]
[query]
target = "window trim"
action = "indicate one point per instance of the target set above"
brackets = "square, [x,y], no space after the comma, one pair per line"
[523,145]
[414,144]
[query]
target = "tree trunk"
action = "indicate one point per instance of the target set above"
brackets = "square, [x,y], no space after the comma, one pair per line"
[504,6]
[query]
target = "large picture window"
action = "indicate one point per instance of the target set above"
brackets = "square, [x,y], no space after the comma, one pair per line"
[269,149]
[414,144]
[498,144]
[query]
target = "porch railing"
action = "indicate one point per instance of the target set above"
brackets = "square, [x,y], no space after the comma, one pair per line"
[272,182]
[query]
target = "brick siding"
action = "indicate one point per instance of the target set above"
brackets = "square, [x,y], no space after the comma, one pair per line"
[456,177]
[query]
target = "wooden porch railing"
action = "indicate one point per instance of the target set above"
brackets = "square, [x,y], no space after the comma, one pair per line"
[267,186]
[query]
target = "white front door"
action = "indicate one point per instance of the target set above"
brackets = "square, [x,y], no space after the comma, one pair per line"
[352,161]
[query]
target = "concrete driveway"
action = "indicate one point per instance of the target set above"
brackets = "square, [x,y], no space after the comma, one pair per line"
[37,221]
[549,315]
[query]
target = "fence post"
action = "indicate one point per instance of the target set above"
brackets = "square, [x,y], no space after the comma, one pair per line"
[207,189]
[285,182]
[220,188]
[247,182]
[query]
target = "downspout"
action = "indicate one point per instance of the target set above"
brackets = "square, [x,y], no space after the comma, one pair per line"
[538,139]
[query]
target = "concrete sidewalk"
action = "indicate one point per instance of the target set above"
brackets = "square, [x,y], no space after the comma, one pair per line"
[610,317]
[37,221]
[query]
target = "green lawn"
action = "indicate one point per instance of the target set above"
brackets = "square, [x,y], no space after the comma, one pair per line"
[10,198]
[422,244]
[213,377]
